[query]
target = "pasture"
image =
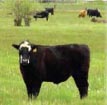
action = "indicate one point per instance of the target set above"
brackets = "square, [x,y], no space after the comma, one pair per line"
[63,28]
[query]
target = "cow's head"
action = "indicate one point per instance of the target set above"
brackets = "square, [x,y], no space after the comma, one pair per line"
[25,50]
[99,15]
[52,11]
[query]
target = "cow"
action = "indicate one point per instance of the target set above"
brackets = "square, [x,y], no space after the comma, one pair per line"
[93,12]
[41,14]
[82,13]
[41,63]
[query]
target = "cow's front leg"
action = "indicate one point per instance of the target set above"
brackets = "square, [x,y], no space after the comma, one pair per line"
[36,89]
[33,90]
[29,91]
[47,18]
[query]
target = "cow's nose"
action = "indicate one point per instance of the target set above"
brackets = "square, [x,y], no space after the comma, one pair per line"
[24,60]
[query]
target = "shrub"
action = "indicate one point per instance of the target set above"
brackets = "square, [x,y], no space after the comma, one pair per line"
[21,10]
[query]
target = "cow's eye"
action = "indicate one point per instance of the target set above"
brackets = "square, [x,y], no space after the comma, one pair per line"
[20,51]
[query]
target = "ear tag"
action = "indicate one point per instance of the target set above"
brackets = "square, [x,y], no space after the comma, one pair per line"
[35,50]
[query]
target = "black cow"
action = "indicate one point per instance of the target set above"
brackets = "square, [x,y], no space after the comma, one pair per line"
[39,63]
[93,12]
[50,10]
[42,14]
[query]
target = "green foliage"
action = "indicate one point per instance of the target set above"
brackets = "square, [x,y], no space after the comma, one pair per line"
[21,7]
[18,7]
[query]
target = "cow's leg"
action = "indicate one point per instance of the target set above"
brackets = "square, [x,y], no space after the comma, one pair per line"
[33,89]
[35,18]
[36,89]
[81,80]
[29,90]
[47,18]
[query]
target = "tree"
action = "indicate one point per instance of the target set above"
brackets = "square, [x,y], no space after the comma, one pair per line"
[21,10]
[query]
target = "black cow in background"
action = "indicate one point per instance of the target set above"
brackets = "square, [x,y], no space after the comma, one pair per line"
[42,14]
[39,63]
[93,12]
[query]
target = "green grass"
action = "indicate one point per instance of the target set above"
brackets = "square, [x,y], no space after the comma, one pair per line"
[62,28]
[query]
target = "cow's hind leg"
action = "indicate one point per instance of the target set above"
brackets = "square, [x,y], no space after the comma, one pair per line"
[81,80]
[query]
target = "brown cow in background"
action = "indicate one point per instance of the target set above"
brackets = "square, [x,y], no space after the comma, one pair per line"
[82,13]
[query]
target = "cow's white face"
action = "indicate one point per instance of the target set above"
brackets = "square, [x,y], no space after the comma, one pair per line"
[24,53]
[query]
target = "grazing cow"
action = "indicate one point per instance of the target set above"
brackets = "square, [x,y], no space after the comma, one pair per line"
[39,63]
[42,14]
[98,20]
[82,13]
[93,12]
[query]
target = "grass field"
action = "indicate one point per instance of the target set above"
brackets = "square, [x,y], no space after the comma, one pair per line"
[62,28]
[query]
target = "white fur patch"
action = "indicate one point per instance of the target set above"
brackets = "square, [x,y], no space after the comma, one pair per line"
[25,44]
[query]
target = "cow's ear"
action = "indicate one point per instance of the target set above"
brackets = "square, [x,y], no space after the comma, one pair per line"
[15,46]
[34,48]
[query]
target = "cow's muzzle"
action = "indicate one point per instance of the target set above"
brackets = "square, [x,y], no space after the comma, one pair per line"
[24,60]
